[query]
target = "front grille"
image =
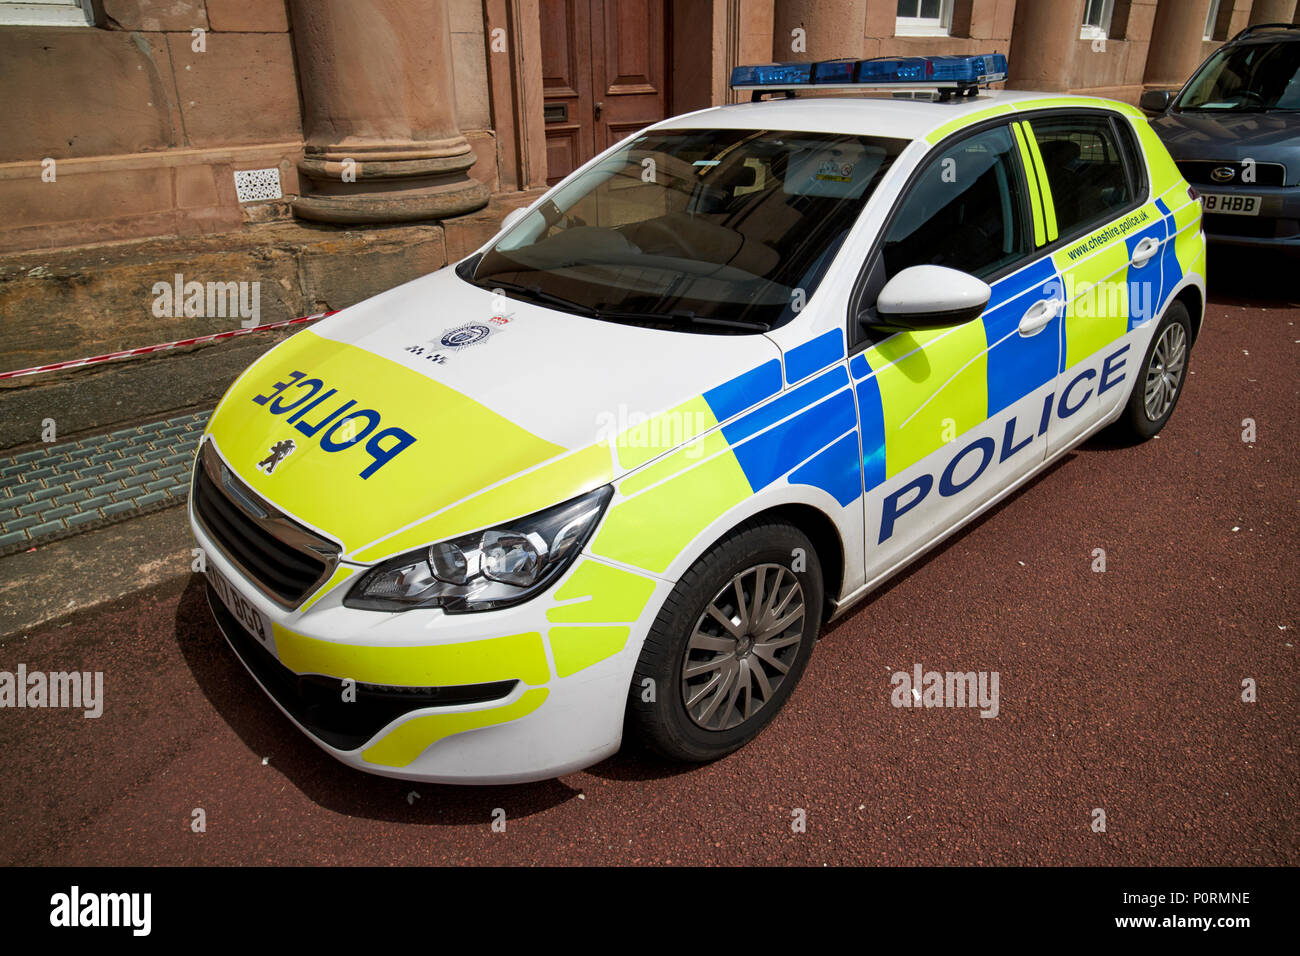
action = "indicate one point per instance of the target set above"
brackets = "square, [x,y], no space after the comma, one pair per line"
[1250,227]
[285,560]
[317,703]
[1198,171]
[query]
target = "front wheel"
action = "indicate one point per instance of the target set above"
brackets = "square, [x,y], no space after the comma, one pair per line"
[1160,383]
[729,644]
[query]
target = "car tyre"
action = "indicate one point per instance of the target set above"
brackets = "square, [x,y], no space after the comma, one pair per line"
[727,649]
[1163,373]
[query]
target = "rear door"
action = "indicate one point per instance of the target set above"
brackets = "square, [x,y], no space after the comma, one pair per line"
[1108,255]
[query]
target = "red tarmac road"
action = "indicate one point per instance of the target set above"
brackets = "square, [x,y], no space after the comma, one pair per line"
[1119,690]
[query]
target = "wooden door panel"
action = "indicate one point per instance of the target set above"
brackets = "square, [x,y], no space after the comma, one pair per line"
[633,66]
[566,83]
[564,154]
[604,66]
[628,66]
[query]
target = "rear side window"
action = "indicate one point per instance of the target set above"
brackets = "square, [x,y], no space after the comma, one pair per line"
[1137,164]
[1085,170]
[964,211]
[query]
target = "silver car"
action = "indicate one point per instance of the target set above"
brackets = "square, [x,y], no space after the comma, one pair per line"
[1234,130]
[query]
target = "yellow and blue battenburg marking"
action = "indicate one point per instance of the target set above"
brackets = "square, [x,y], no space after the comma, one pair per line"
[846,427]
[807,434]
[1018,366]
[809,428]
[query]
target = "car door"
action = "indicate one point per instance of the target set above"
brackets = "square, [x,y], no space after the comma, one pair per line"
[950,416]
[1108,247]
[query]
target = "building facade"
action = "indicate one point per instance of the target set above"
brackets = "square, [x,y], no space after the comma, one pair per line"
[402,130]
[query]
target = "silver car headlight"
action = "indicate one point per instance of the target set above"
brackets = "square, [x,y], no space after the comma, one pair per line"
[494,568]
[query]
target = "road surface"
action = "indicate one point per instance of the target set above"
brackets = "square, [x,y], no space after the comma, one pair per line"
[1120,691]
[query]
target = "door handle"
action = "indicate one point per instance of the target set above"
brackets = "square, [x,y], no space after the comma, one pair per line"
[1144,250]
[1039,315]
[598,106]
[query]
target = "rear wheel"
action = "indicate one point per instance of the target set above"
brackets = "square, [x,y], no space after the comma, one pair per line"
[1160,382]
[730,643]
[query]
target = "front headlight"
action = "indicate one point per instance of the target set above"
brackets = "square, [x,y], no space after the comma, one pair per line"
[488,569]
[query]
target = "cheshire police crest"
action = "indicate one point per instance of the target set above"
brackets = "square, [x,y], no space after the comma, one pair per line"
[462,337]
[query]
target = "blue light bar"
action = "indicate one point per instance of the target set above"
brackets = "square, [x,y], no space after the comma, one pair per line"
[935,72]
[772,74]
[970,69]
[835,71]
[910,69]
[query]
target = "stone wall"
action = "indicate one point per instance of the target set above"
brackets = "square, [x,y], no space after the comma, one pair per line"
[144,120]
[136,126]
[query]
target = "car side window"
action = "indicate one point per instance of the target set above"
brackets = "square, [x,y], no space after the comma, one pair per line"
[1132,155]
[965,210]
[1084,169]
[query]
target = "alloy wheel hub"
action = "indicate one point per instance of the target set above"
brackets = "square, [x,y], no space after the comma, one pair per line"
[742,647]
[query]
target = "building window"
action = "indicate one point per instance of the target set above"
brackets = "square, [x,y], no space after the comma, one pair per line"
[1096,19]
[46,13]
[923,18]
[1218,20]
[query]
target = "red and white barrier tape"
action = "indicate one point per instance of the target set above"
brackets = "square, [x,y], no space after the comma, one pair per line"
[146,349]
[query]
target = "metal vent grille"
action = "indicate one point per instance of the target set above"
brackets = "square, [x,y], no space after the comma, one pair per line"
[252,185]
[283,559]
[1201,172]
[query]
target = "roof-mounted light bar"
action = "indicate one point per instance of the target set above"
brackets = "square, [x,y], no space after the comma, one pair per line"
[962,75]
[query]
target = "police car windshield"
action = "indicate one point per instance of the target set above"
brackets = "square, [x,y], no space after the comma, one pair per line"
[717,231]
[1248,78]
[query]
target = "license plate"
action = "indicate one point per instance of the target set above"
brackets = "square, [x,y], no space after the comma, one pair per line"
[250,617]
[1232,205]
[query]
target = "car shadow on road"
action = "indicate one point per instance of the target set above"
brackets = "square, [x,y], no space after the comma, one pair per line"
[267,733]
[1252,278]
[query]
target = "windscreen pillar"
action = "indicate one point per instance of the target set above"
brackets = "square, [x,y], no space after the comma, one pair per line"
[381,142]
[1177,43]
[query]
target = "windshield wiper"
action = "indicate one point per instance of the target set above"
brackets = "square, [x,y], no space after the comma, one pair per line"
[722,323]
[613,315]
[683,318]
[539,295]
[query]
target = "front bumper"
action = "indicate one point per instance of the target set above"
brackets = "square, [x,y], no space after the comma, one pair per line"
[468,699]
[1276,227]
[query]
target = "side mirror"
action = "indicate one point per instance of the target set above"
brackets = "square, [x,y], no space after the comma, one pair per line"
[1155,101]
[931,297]
[513,216]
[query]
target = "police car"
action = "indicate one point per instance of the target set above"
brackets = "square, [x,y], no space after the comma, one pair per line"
[616,469]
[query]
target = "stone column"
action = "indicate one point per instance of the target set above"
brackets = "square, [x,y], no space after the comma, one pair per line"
[1044,38]
[379,113]
[832,29]
[1273,11]
[1177,39]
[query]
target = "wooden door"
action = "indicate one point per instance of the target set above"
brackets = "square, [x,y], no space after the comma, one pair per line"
[604,75]
[627,67]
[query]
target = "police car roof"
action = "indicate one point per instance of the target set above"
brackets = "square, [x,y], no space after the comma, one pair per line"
[858,115]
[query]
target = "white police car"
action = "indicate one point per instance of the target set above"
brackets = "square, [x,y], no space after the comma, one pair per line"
[619,466]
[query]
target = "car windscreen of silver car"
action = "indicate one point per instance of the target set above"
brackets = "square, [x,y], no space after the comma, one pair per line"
[1250,77]
[718,231]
